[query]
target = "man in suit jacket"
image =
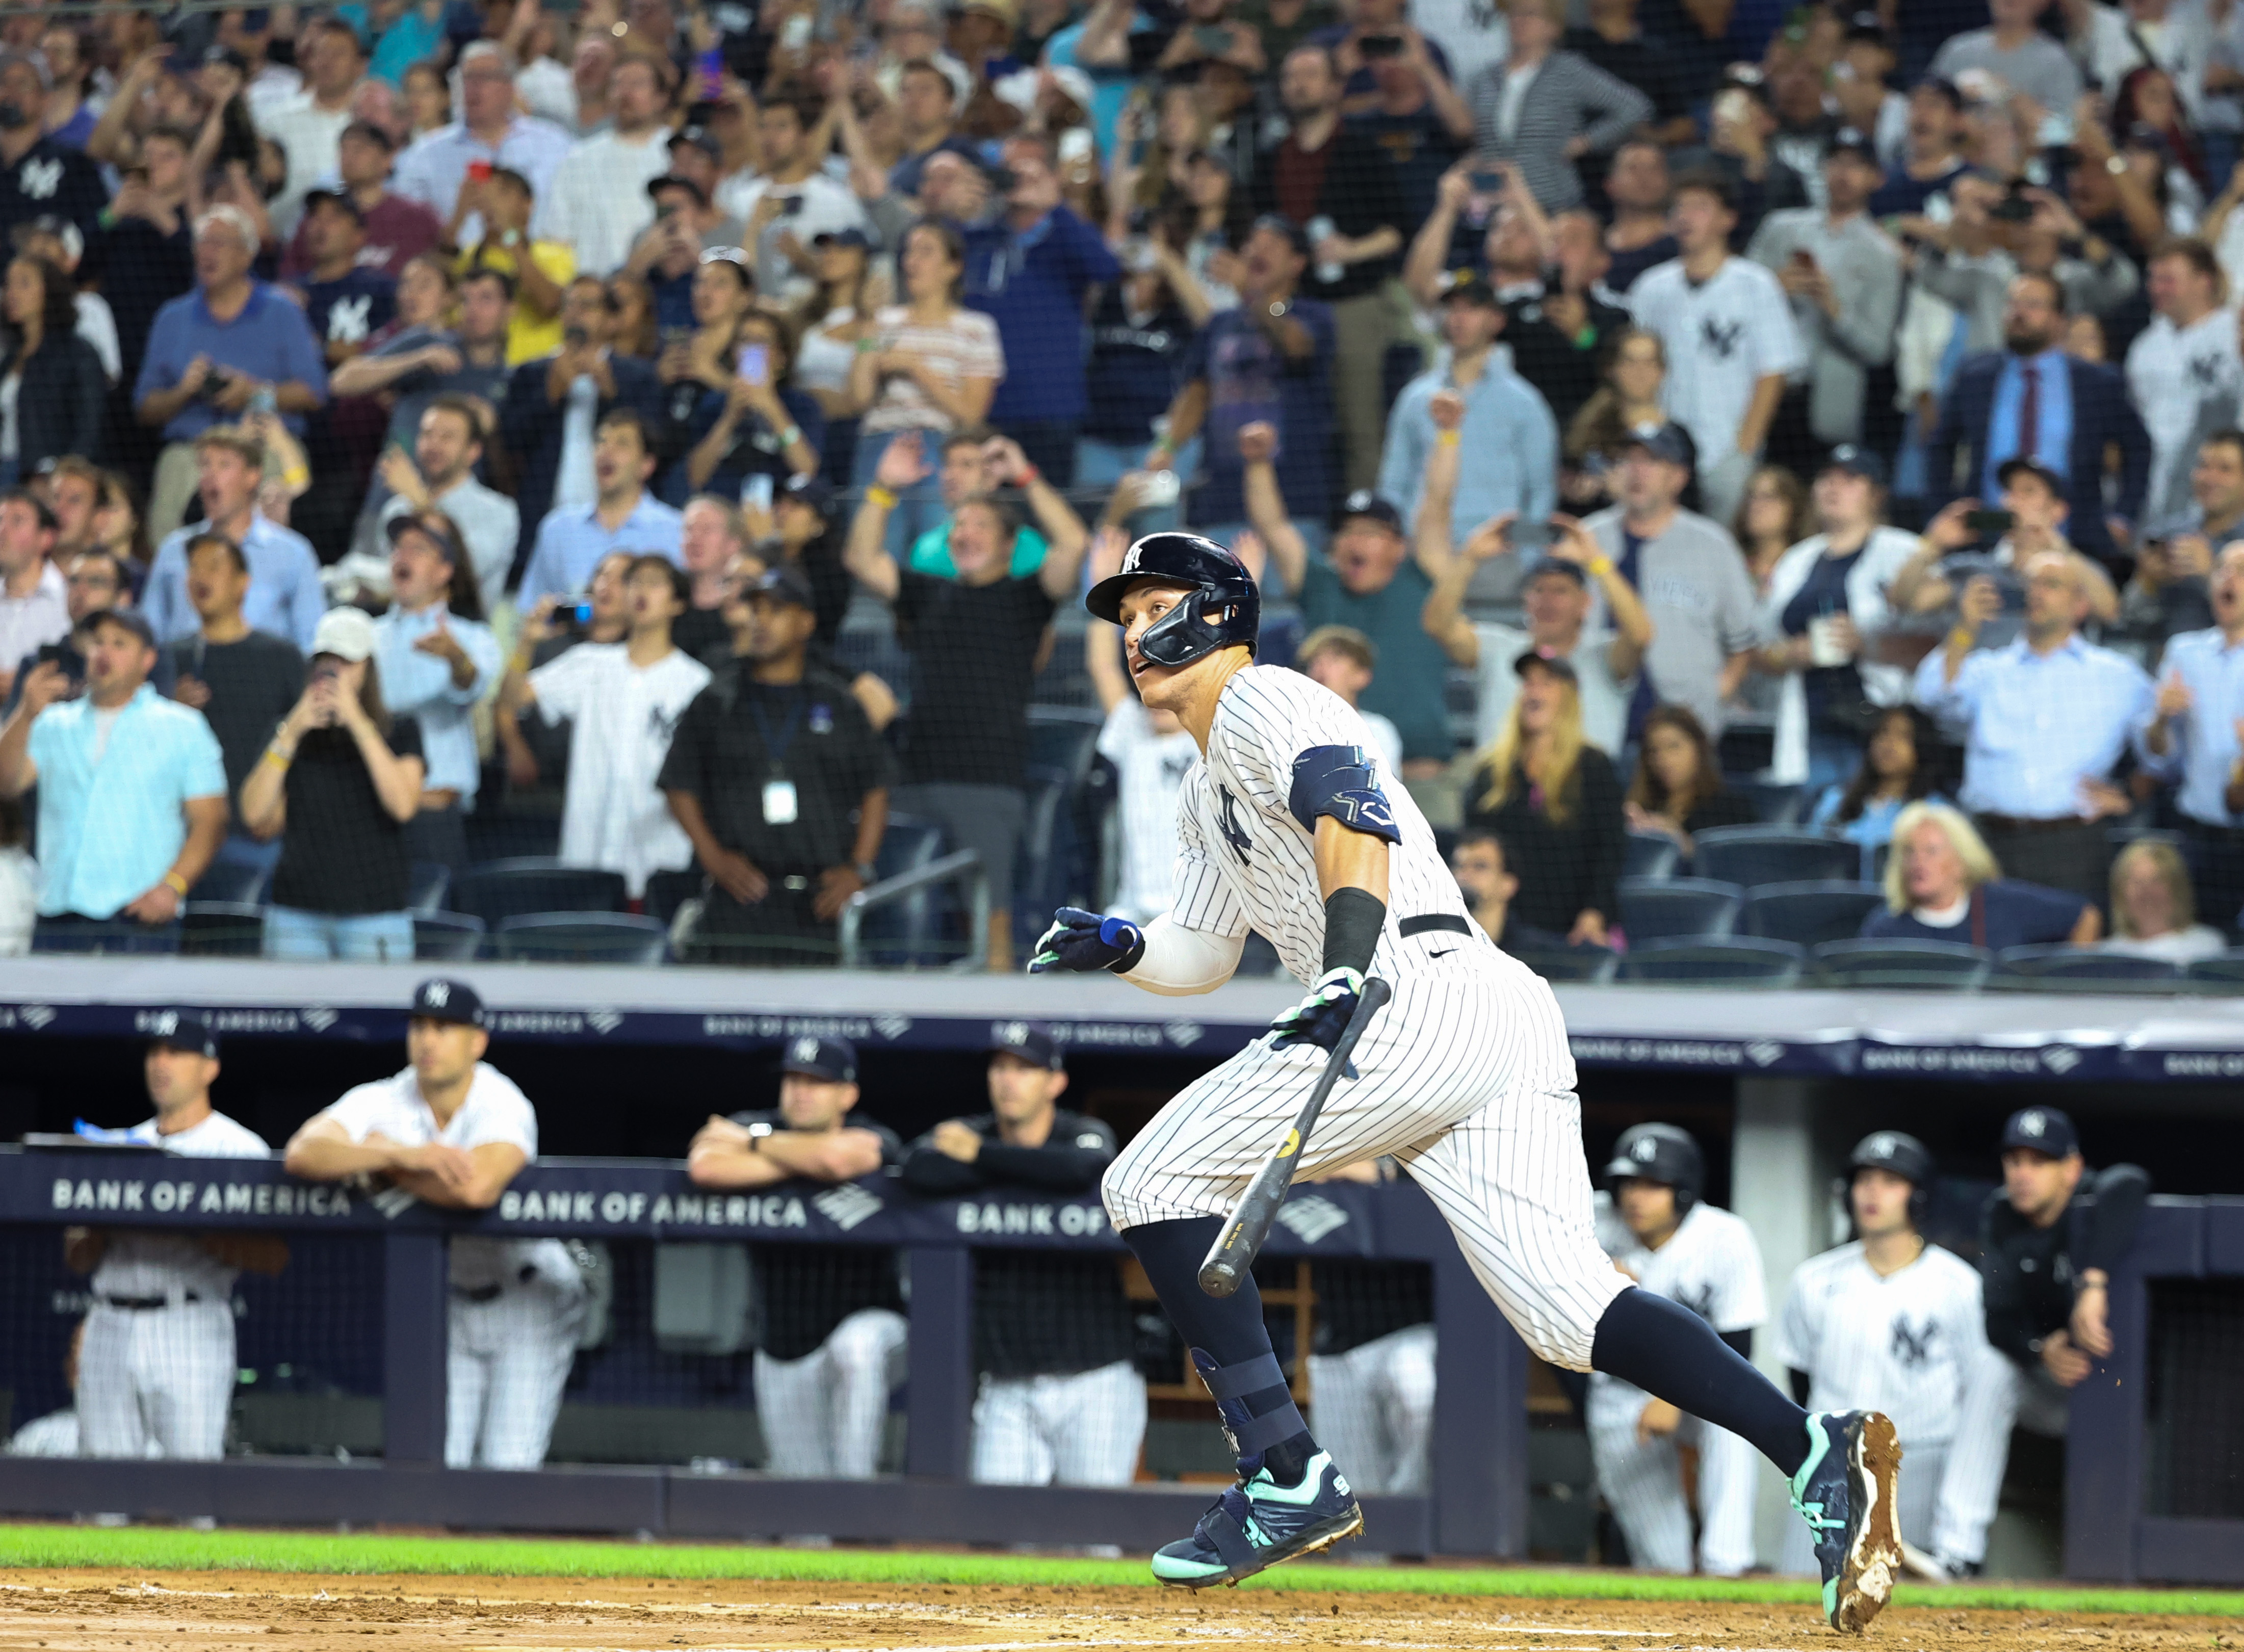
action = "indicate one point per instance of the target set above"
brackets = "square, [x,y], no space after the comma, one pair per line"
[2030,400]
[555,404]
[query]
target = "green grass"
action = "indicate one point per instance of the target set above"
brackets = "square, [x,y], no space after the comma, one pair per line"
[156,1548]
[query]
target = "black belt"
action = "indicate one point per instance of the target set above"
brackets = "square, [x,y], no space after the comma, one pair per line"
[1433,921]
[142,1305]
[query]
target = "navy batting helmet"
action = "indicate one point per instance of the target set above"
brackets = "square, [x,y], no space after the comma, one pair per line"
[1225,608]
[1660,1153]
[1900,1155]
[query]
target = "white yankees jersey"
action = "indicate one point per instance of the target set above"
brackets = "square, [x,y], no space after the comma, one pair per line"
[1710,1264]
[141,1261]
[2185,381]
[1910,1344]
[1151,768]
[1243,859]
[495,1111]
[623,717]
[1722,336]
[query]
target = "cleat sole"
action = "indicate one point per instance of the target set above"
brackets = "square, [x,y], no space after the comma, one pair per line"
[1313,1540]
[1874,1549]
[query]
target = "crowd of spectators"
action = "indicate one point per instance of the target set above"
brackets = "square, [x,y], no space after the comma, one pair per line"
[1634,411]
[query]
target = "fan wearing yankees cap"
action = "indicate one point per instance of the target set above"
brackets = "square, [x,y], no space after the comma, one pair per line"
[157,1371]
[2049,1240]
[832,1338]
[1655,1225]
[1894,1321]
[1060,1401]
[454,1131]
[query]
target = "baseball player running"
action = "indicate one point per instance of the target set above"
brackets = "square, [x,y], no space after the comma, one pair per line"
[1657,1230]
[1894,1321]
[1286,827]
[157,1371]
[454,1131]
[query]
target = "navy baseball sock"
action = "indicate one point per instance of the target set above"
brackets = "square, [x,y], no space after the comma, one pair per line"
[1224,1333]
[1666,1350]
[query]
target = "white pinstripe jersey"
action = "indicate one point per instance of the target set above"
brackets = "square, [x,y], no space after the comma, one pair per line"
[143,1263]
[1907,1344]
[1244,861]
[1710,1264]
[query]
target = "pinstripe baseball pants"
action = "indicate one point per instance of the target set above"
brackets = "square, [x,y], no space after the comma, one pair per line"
[1079,1428]
[822,1414]
[504,1364]
[1373,1409]
[1465,1078]
[1643,1484]
[156,1376]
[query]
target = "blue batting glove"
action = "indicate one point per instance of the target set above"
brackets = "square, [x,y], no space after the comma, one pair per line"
[1084,940]
[1321,1017]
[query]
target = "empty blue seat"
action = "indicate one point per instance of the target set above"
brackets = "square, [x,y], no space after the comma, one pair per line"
[2066,968]
[1740,961]
[1885,961]
[427,885]
[584,938]
[220,881]
[1750,856]
[446,937]
[1809,913]
[1651,854]
[1677,908]
[497,890]
[2222,973]
[1591,966]
[925,927]
[667,891]
[1774,803]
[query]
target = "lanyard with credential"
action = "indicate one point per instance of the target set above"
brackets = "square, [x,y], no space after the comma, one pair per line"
[779,798]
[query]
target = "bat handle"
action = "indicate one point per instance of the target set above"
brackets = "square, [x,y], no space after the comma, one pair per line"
[1220,1279]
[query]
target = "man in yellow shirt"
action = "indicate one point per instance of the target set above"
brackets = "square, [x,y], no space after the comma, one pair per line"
[503,197]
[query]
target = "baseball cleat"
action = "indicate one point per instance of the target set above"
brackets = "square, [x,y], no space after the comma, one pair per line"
[1257,1523]
[1846,1492]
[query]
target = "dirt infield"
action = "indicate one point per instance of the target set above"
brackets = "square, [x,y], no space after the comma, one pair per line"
[100,1611]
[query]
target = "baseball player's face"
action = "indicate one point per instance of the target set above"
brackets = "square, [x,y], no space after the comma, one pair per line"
[1162,687]
[1021,1092]
[809,1103]
[2038,1186]
[443,1051]
[1880,1202]
[1647,1208]
[177,1078]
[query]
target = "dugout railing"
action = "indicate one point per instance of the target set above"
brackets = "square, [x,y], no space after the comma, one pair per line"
[2152,1486]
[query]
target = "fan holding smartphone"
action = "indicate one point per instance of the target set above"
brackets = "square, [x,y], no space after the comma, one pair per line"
[758,429]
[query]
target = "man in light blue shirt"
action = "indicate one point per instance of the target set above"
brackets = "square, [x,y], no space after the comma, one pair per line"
[1510,439]
[2046,720]
[434,666]
[433,168]
[2195,734]
[132,793]
[286,598]
[623,516]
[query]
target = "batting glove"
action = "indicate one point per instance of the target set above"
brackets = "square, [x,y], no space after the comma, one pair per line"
[1084,940]
[1323,1015]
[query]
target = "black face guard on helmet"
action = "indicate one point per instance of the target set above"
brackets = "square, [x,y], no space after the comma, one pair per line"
[1224,607]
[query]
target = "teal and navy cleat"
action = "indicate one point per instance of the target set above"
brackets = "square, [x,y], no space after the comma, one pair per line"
[1846,1491]
[1257,1523]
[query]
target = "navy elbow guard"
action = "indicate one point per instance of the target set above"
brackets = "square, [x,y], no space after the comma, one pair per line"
[1338,780]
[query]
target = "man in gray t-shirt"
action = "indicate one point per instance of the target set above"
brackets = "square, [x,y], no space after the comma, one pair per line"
[1689,572]
[2018,53]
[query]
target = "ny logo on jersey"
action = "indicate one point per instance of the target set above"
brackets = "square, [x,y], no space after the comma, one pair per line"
[2204,372]
[1912,1348]
[346,320]
[1227,823]
[1719,338]
[1701,1301]
[659,728]
[39,179]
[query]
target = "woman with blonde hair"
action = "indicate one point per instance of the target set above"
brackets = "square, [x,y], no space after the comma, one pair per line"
[1555,804]
[2154,908]
[1943,883]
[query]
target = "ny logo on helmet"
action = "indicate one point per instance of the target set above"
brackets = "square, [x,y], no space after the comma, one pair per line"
[1133,557]
[806,1049]
[1646,1149]
[1881,1146]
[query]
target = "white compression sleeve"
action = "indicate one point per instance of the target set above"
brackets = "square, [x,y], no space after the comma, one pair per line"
[1180,962]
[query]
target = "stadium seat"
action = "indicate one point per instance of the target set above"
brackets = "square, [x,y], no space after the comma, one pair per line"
[1041,880]
[222,929]
[1651,854]
[500,889]
[1740,961]
[1750,856]
[2222,973]
[447,937]
[2074,969]
[1773,803]
[1591,966]
[243,885]
[1677,908]
[1064,737]
[584,938]
[427,885]
[925,928]
[667,891]
[1885,962]
[1809,913]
